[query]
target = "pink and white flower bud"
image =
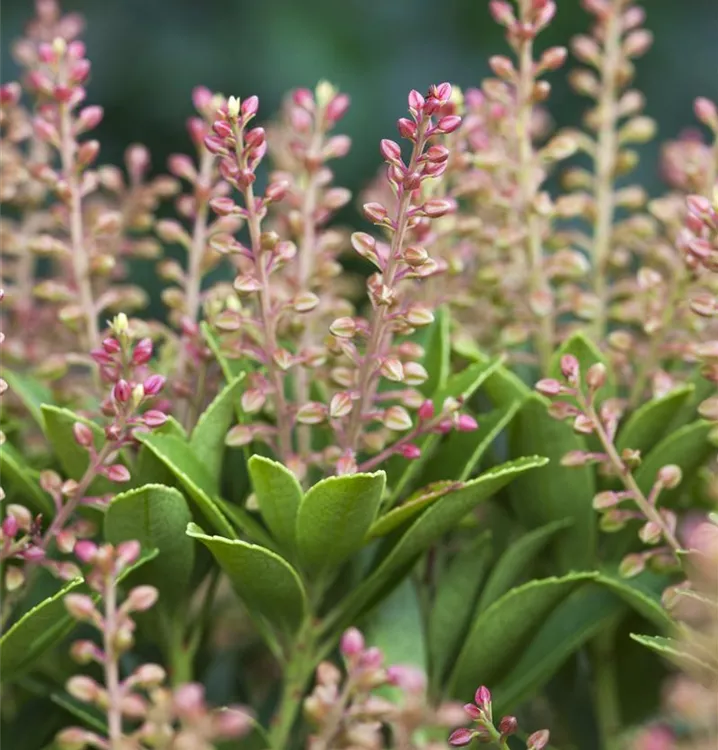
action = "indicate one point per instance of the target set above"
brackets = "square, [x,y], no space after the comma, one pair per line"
[337,107]
[249,107]
[375,212]
[81,607]
[418,315]
[410,451]
[548,387]
[141,598]
[707,112]
[83,435]
[426,410]
[352,643]
[508,725]
[232,722]
[397,418]
[312,413]
[392,369]
[117,473]
[670,476]
[553,58]
[414,373]
[462,737]
[390,151]
[340,405]
[570,367]
[153,385]
[149,675]
[10,527]
[89,118]
[239,436]
[253,400]
[466,423]
[596,376]
[482,698]
[538,740]
[83,688]
[435,208]
[344,328]
[85,551]
[154,418]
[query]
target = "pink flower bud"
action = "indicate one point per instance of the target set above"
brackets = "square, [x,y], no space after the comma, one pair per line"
[630,566]
[10,527]
[337,107]
[548,387]
[397,418]
[410,451]
[80,606]
[508,725]
[473,711]
[437,207]
[375,212]
[408,678]
[391,368]
[343,328]
[83,688]
[89,118]
[201,98]
[255,137]
[214,145]
[85,551]
[570,367]
[232,722]
[222,129]
[142,353]
[276,191]
[154,418]
[312,413]
[122,391]
[390,150]
[10,93]
[538,740]
[83,435]
[670,476]
[352,642]
[461,737]
[606,499]
[466,423]
[482,698]
[501,12]
[141,598]
[128,552]
[707,112]
[416,100]
[303,98]
[406,128]
[426,410]
[340,405]
[250,107]
[153,385]
[117,473]
[553,58]
[596,376]
[189,700]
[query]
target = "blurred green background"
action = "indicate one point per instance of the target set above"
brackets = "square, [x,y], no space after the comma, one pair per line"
[148,54]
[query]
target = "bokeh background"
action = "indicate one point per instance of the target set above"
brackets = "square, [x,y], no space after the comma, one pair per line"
[148,54]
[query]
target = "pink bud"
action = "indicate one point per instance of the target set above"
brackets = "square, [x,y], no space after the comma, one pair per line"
[410,451]
[89,118]
[117,473]
[154,418]
[461,737]
[10,527]
[416,100]
[80,606]
[482,698]
[390,150]
[10,93]
[276,191]
[111,346]
[406,128]
[706,112]
[83,434]
[142,352]
[501,12]
[250,107]
[337,107]
[570,367]
[201,98]
[466,423]
[670,476]
[437,207]
[189,700]
[303,98]
[85,550]
[121,391]
[548,387]
[153,385]
[352,642]
[141,598]
[374,212]
[426,410]
[538,740]
[411,679]
[508,725]
[255,137]
[214,145]
[128,552]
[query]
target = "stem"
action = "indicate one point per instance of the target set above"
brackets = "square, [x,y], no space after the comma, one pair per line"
[647,508]
[194,267]
[544,337]
[266,314]
[79,255]
[306,268]
[608,709]
[366,385]
[112,672]
[607,147]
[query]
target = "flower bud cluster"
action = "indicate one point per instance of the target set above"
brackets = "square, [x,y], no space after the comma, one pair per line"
[590,416]
[489,733]
[346,711]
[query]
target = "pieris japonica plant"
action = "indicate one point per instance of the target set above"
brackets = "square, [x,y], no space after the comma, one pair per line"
[315,508]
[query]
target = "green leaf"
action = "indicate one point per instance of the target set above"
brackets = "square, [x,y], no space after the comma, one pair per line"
[246,522]
[192,475]
[587,354]
[37,630]
[429,527]
[265,582]
[335,516]
[646,425]
[89,715]
[156,516]
[687,447]
[702,389]
[44,626]
[22,482]
[642,594]
[501,632]
[279,496]
[231,368]
[556,492]
[207,440]
[32,393]
[411,507]
[670,649]
[438,351]
[459,453]
[517,560]
[583,614]
[74,459]
[457,590]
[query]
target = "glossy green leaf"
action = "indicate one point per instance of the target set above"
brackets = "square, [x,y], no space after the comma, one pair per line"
[74,459]
[179,458]
[246,522]
[22,483]
[459,453]
[702,389]
[207,440]
[411,507]
[457,590]
[687,447]
[556,492]
[279,496]
[429,527]
[156,516]
[645,427]
[499,634]
[31,393]
[265,582]
[587,354]
[670,649]
[438,351]
[517,561]
[335,516]
[583,614]
[642,594]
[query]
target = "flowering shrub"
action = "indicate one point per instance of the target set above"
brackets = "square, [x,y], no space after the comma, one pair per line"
[493,451]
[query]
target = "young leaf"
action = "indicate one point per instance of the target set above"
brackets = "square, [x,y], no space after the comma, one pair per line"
[516,560]
[587,354]
[207,440]
[265,582]
[429,527]
[31,393]
[156,516]
[688,448]
[646,425]
[335,516]
[279,495]
[456,592]
[556,492]
[23,481]
[501,632]
[438,351]
[182,462]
